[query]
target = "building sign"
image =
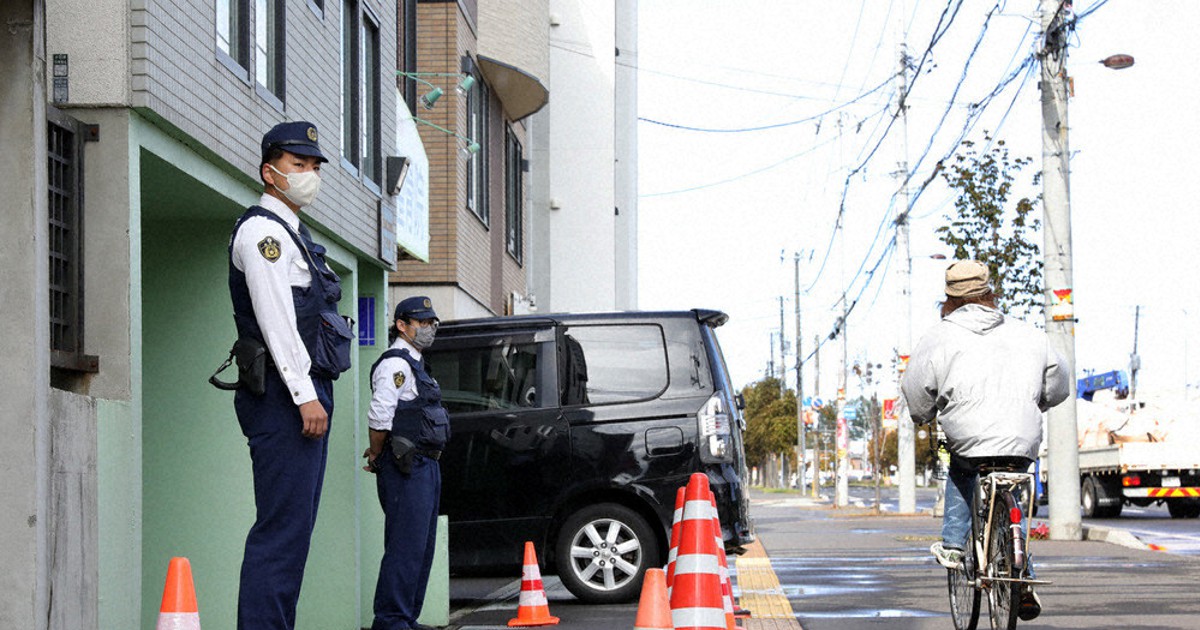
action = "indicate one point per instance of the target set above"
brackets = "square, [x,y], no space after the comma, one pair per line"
[412,204]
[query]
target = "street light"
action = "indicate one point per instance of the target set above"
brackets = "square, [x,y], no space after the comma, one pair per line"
[1117,62]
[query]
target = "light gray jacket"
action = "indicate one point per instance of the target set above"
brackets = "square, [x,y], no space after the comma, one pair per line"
[987,379]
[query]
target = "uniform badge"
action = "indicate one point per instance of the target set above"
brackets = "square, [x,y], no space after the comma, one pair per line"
[312,134]
[398,379]
[269,248]
[428,304]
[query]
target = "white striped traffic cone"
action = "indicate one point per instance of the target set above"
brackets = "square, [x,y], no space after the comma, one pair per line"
[533,609]
[178,610]
[726,584]
[696,593]
[671,555]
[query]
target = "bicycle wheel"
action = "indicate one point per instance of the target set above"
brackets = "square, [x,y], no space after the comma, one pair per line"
[964,597]
[1003,596]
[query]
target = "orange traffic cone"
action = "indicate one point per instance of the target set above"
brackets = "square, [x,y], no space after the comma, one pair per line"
[723,562]
[178,610]
[533,609]
[696,602]
[671,555]
[654,611]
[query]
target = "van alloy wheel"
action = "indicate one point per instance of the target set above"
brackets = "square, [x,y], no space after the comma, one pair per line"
[603,551]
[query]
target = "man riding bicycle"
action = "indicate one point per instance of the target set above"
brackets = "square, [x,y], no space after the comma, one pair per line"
[987,378]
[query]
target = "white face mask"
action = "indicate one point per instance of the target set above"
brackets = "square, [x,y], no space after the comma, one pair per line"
[302,187]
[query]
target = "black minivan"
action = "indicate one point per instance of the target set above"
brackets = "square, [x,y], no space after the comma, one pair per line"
[575,431]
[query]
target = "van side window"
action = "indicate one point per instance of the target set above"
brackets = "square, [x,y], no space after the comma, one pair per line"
[612,364]
[487,373]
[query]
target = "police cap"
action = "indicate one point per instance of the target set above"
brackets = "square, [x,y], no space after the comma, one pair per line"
[417,307]
[299,137]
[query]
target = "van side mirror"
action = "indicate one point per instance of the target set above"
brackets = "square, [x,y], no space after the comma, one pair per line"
[740,401]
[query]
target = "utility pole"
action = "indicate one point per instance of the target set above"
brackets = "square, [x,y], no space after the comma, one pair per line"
[816,480]
[771,361]
[800,437]
[1063,440]
[782,352]
[905,446]
[842,490]
[1135,361]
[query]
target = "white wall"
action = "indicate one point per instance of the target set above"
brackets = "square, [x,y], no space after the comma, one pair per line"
[625,138]
[580,157]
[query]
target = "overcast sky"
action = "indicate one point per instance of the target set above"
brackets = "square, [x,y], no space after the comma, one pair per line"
[717,209]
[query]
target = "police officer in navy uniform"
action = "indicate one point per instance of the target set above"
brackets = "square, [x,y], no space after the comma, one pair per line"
[280,285]
[408,429]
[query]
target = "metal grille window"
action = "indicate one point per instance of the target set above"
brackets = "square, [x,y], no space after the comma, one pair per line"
[64,148]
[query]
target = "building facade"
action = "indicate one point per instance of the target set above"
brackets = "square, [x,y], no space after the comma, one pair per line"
[584,206]
[131,146]
[478,202]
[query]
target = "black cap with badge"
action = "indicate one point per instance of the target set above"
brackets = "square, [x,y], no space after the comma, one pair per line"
[299,137]
[418,307]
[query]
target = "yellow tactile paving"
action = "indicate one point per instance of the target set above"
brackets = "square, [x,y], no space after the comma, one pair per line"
[761,593]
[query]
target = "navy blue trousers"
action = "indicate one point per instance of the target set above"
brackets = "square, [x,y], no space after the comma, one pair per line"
[288,471]
[410,507]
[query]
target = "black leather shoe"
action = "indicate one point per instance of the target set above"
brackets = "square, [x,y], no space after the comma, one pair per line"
[1031,606]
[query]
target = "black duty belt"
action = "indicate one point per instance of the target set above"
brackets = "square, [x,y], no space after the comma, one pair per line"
[429,453]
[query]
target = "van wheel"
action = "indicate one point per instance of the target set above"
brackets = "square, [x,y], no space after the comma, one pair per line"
[603,551]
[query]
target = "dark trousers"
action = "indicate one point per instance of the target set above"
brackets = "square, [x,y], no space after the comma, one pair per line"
[410,507]
[288,471]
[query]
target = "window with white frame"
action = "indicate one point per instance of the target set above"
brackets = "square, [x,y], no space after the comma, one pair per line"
[477,171]
[268,45]
[369,80]
[514,195]
[361,93]
[233,34]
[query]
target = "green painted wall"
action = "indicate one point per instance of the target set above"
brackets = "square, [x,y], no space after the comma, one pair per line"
[197,490]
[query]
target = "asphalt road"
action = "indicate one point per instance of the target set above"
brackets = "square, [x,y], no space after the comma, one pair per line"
[847,568]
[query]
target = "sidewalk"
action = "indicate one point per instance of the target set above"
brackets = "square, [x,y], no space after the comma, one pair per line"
[852,568]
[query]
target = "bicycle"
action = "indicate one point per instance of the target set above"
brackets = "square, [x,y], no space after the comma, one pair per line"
[995,560]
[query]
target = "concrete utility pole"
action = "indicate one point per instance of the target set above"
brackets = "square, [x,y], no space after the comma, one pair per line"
[800,438]
[1135,360]
[906,456]
[782,352]
[816,480]
[842,490]
[1063,439]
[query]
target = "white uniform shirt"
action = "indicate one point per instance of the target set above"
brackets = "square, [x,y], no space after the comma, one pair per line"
[392,381]
[270,283]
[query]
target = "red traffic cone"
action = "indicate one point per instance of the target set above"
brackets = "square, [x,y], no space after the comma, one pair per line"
[654,610]
[533,609]
[178,610]
[726,584]
[696,592]
[675,520]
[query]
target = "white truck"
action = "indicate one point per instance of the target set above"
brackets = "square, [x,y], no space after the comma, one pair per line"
[1140,473]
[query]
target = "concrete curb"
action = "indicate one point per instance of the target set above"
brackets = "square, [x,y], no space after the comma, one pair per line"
[1113,536]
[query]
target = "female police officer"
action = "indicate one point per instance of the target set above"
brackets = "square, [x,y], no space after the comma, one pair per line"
[409,428]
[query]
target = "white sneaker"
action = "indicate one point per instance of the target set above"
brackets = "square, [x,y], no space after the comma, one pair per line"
[948,557]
